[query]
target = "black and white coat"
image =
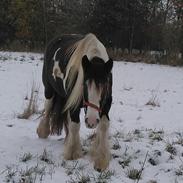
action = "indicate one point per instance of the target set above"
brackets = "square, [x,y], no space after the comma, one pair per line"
[77,71]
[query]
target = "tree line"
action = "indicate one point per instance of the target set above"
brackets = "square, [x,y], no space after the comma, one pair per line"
[131,24]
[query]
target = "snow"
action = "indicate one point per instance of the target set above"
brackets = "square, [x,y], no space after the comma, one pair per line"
[136,128]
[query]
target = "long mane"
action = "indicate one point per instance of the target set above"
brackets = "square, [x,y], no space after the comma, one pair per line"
[91,47]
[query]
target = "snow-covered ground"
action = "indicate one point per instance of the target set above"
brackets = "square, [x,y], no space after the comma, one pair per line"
[146,132]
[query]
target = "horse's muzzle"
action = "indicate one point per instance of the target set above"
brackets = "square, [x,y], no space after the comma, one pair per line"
[91,124]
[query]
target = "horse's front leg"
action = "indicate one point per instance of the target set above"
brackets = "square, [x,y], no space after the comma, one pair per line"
[72,148]
[100,148]
[43,129]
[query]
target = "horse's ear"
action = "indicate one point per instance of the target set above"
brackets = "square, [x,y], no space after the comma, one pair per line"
[85,63]
[109,65]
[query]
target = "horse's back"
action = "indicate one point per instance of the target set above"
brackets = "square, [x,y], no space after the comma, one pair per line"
[62,42]
[57,51]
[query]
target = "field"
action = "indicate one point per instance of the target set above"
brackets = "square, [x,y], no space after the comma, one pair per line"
[146,128]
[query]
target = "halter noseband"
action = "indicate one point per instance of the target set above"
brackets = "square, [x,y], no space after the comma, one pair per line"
[97,108]
[86,104]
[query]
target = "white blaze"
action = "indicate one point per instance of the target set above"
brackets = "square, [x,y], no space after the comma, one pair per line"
[94,97]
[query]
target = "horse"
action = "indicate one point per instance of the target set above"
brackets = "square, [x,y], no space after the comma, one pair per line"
[77,73]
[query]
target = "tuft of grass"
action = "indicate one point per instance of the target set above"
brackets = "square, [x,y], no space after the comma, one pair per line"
[156,135]
[32,106]
[179,140]
[114,156]
[138,133]
[179,171]
[136,174]
[26,157]
[125,162]
[4,57]
[29,175]
[10,174]
[116,145]
[129,137]
[171,149]
[46,157]
[133,174]
[118,134]
[74,167]
[80,177]
[153,101]
[105,176]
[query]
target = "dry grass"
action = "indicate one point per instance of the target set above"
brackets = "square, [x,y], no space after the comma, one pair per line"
[171,149]
[32,106]
[144,56]
[153,101]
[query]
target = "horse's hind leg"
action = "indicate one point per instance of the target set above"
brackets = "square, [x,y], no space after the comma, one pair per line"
[43,129]
[100,148]
[72,148]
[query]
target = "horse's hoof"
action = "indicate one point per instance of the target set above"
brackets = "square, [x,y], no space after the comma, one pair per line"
[97,169]
[101,164]
[42,133]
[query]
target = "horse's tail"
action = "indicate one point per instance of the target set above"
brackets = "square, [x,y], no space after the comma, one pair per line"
[58,119]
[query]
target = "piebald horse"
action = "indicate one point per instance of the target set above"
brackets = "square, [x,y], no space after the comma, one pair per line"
[77,72]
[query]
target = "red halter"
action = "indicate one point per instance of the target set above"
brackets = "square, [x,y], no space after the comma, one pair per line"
[85,104]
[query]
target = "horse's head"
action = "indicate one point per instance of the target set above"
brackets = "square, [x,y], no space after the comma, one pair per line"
[96,81]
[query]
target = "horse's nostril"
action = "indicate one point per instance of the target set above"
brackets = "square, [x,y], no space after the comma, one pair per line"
[97,120]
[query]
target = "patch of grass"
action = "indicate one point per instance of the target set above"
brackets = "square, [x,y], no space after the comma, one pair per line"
[116,145]
[10,173]
[4,57]
[114,156]
[179,140]
[80,178]
[179,171]
[133,174]
[171,149]
[138,134]
[30,174]
[118,135]
[32,106]
[128,137]
[74,167]
[46,157]
[153,101]
[125,162]
[156,135]
[26,157]
[136,174]
[106,175]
